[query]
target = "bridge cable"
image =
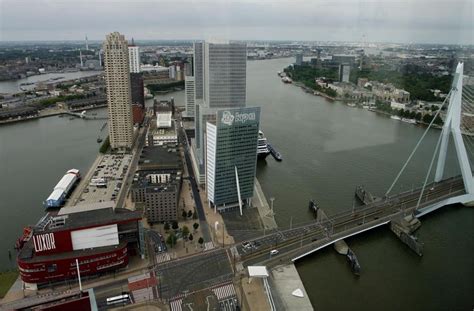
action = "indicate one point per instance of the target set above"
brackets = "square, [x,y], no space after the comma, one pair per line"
[470,147]
[417,145]
[429,171]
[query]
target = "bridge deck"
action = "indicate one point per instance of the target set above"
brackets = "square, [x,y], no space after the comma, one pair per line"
[300,241]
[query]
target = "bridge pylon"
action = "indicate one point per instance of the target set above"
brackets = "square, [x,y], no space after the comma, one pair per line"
[452,125]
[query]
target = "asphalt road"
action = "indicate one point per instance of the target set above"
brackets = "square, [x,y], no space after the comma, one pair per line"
[109,290]
[193,272]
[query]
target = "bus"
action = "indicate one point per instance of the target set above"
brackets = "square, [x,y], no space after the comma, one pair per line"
[124,298]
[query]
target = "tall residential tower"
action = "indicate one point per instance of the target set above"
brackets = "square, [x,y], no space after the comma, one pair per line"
[117,80]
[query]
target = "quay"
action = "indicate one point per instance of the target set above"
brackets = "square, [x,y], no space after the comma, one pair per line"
[286,281]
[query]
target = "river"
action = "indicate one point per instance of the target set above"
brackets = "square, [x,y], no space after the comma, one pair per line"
[328,149]
[13,86]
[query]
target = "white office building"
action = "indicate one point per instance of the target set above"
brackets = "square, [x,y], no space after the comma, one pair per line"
[189,96]
[134,58]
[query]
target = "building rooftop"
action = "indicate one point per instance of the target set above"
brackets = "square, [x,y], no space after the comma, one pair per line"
[159,157]
[85,218]
[144,178]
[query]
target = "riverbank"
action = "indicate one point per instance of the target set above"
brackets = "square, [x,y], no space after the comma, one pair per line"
[50,112]
[7,278]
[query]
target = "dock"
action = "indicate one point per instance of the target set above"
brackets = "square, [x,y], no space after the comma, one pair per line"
[260,202]
[289,288]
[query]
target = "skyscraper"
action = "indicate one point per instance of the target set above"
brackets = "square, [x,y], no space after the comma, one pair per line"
[198,63]
[117,81]
[134,58]
[232,156]
[225,75]
[224,69]
[189,93]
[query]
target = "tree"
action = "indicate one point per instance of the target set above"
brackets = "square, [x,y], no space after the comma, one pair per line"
[190,213]
[171,240]
[185,232]
[174,225]
[167,227]
[184,214]
[195,215]
[190,237]
[201,241]
[195,226]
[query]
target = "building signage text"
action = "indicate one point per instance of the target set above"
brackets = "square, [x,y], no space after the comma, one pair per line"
[229,118]
[44,242]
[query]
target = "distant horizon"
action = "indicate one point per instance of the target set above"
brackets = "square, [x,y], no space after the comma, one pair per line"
[95,41]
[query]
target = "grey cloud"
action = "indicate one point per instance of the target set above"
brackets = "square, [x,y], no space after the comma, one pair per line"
[424,21]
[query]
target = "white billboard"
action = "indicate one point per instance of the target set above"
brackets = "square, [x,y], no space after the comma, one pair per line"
[95,237]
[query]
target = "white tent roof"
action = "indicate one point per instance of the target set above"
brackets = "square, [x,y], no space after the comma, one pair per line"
[258,271]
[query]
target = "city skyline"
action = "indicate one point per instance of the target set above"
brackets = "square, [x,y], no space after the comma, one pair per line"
[448,22]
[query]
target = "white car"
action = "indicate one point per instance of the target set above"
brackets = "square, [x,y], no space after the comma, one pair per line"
[274,252]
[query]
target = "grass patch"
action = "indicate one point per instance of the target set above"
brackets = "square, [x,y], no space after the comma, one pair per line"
[7,278]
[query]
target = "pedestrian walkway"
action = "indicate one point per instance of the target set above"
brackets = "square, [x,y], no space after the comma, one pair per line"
[264,210]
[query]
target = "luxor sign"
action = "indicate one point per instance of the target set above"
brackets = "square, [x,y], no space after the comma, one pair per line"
[44,242]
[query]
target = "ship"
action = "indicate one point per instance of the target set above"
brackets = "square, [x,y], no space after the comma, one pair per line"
[286,80]
[275,154]
[262,146]
[410,121]
[395,118]
[63,188]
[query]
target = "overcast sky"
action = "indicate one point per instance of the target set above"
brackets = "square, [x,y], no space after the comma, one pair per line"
[424,21]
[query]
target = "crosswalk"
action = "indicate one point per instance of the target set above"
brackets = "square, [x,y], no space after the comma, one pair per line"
[224,291]
[176,304]
[225,294]
[163,257]
[208,246]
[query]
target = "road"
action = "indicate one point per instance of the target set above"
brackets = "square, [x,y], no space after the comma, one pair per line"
[194,186]
[193,272]
[293,242]
[109,290]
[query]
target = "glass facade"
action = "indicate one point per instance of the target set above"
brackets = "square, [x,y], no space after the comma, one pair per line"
[232,143]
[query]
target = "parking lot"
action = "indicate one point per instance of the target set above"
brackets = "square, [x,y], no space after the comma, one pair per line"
[107,179]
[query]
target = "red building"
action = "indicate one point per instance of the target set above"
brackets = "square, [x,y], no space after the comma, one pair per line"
[138,113]
[100,238]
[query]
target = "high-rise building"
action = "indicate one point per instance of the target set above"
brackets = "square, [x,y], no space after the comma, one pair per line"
[134,58]
[225,75]
[224,70]
[299,59]
[119,101]
[188,69]
[344,72]
[172,72]
[232,156]
[198,63]
[137,88]
[189,93]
